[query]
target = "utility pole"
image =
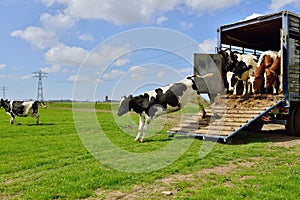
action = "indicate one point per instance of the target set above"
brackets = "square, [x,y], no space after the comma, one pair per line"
[4,92]
[40,75]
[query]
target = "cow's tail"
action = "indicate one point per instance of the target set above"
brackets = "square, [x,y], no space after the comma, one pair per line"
[203,76]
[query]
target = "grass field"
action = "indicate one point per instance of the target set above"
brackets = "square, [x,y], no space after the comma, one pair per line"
[49,161]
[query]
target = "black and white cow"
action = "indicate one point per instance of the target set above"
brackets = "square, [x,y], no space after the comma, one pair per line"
[21,109]
[237,68]
[163,100]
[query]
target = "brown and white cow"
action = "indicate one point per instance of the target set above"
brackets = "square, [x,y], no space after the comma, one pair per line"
[265,61]
[163,100]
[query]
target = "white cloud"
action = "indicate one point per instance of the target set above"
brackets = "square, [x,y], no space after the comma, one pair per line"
[113,74]
[38,37]
[132,11]
[208,46]
[160,74]
[48,2]
[52,69]
[86,37]
[78,78]
[26,77]
[76,56]
[276,5]
[121,62]
[137,69]
[2,66]
[57,22]
[185,25]
[202,6]
[137,73]
[254,15]
[142,11]
[161,19]
[66,56]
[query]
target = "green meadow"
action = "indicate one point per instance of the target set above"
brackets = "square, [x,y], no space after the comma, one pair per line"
[50,161]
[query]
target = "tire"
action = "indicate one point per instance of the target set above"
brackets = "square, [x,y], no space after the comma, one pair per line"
[293,123]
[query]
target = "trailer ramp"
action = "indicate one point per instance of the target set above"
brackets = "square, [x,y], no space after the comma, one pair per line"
[227,116]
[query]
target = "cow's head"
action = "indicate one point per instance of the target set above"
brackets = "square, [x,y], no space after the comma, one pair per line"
[257,83]
[2,103]
[240,68]
[229,59]
[266,61]
[124,105]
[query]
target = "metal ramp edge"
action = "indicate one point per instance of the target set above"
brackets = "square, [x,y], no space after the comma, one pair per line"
[232,133]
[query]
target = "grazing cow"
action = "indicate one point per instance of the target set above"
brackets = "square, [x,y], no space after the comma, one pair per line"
[21,109]
[167,99]
[272,75]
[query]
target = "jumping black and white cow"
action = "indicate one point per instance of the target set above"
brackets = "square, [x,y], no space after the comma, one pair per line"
[163,100]
[21,109]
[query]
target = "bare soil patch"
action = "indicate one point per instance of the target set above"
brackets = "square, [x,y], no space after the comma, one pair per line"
[165,188]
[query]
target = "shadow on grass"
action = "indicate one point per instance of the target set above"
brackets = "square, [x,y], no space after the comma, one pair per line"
[264,136]
[41,124]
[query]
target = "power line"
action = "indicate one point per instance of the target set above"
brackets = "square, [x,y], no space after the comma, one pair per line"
[40,75]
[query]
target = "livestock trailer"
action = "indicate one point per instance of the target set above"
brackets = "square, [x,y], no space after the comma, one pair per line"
[277,31]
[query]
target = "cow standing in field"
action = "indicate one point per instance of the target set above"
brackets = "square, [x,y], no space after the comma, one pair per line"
[21,109]
[163,100]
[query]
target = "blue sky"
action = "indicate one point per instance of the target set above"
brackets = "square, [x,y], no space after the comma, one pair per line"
[89,43]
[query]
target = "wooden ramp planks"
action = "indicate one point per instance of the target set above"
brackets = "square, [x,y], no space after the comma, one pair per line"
[226,115]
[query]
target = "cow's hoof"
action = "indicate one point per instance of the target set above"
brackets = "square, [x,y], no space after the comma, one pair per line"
[142,140]
[137,139]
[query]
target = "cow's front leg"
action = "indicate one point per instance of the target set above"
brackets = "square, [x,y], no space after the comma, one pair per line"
[141,127]
[12,119]
[145,130]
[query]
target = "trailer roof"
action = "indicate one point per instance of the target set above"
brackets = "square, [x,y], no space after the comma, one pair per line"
[261,33]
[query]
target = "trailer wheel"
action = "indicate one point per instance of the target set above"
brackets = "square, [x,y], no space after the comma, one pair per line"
[293,125]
